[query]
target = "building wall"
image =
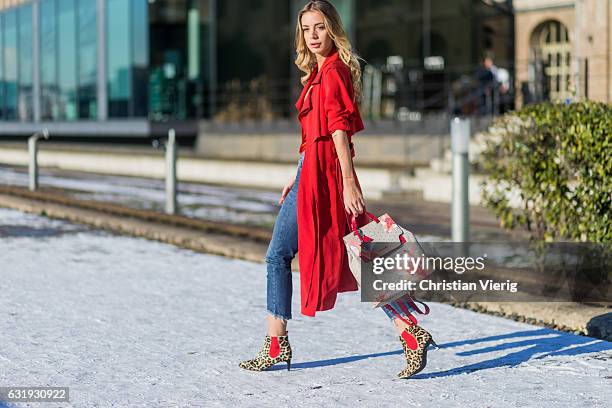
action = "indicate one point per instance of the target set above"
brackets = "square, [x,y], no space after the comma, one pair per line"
[4,4]
[590,34]
[593,42]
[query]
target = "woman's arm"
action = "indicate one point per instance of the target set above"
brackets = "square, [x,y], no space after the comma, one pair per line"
[286,189]
[339,107]
[353,198]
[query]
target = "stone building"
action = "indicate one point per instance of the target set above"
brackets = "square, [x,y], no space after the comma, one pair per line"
[563,49]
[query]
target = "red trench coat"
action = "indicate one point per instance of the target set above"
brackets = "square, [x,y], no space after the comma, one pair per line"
[322,219]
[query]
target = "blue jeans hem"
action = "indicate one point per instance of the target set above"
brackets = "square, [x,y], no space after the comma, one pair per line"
[279,316]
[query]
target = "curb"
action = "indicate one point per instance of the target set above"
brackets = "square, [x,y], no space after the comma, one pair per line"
[575,318]
[50,195]
[217,238]
[202,241]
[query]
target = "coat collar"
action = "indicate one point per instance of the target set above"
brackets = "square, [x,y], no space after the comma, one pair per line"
[333,56]
[304,105]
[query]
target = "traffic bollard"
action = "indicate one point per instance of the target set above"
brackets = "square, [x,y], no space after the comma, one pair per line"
[33,161]
[460,138]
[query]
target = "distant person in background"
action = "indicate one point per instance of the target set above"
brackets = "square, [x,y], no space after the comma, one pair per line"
[486,77]
[504,100]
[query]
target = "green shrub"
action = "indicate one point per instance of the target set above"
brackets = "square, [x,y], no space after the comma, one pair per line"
[558,159]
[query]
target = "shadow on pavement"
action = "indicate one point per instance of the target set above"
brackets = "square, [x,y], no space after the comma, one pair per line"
[554,344]
[334,361]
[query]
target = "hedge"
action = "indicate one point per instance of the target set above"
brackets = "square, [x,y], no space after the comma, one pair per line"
[558,159]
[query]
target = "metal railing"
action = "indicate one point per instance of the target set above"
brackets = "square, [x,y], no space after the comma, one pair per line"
[387,94]
[168,144]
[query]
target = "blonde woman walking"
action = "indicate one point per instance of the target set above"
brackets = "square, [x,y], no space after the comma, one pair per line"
[321,200]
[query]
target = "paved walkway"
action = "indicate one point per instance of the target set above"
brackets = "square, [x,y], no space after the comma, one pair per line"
[128,322]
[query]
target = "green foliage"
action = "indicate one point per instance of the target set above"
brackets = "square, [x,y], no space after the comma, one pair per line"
[558,159]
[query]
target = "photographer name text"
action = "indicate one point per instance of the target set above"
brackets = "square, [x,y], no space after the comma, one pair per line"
[458,285]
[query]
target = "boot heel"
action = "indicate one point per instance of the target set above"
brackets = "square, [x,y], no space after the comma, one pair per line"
[277,346]
[433,343]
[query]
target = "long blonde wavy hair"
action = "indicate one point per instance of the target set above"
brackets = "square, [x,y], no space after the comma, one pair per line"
[306,60]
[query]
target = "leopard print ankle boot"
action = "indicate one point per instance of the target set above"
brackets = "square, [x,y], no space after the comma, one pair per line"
[415,340]
[274,350]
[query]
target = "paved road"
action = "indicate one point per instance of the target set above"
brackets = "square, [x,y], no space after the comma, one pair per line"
[128,322]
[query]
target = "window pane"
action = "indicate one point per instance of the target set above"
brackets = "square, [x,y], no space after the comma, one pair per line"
[1,66]
[87,59]
[168,30]
[249,73]
[25,108]
[48,60]
[67,58]
[10,64]
[118,57]
[140,45]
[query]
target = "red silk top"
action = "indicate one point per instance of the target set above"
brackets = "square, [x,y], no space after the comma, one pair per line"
[330,113]
[322,219]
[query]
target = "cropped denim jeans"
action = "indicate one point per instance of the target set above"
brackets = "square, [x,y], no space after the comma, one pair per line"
[281,251]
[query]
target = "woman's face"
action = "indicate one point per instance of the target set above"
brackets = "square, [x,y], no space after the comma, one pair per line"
[315,35]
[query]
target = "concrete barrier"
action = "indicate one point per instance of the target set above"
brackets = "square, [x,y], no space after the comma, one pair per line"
[371,150]
[376,182]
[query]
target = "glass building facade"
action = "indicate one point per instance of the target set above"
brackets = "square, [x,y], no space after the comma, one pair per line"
[92,61]
[73,60]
